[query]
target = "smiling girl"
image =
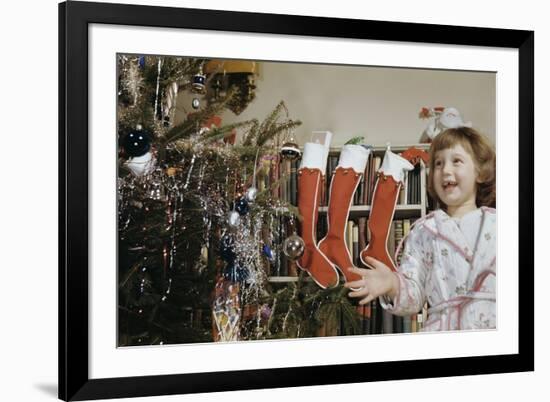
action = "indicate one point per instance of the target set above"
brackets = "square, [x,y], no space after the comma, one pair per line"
[449,259]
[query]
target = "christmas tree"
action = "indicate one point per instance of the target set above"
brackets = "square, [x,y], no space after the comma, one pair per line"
[196,244]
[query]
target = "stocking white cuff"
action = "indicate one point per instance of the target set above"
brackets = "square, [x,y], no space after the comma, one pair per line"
[395,165]
[315,156]
[355,157]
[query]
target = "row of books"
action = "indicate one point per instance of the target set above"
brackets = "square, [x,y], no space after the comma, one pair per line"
[410,192]
[285,174]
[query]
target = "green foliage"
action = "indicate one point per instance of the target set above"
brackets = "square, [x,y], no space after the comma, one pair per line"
[355,141]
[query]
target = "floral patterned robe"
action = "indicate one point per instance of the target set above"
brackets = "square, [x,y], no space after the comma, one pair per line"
[439,267]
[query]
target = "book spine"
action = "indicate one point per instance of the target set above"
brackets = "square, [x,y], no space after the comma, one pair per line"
[355,253]
[361,228]
[397,324]
[398,232]
[387,322]
[391,241]
[407,323]
[376,317]
[349,237]
[413,323]
[364,312]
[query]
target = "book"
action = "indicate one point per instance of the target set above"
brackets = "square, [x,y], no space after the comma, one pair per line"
[413,323]
[355,243]
[349,236]
[387,321]
[398,236]
[364,312]
[407,324]
[419,322]
[361,229]
[403,191]
[391,242]
[376,317]
[398,324]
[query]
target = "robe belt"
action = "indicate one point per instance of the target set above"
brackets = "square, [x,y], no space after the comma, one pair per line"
[457,304]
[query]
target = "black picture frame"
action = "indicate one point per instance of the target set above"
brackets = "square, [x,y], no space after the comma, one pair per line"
[74,18]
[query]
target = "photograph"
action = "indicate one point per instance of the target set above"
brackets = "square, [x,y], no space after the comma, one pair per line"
[262,200]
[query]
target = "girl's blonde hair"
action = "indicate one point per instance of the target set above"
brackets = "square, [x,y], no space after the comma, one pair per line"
[482,154]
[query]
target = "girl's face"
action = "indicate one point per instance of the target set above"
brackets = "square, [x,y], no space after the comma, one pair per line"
[455,177]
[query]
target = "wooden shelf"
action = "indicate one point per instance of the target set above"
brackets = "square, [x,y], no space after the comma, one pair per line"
[283,279]
[382,148]
[401,211]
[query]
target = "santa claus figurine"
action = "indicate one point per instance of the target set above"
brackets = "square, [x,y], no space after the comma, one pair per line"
[440,120]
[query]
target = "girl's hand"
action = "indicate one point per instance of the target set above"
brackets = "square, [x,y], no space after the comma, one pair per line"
[378,281]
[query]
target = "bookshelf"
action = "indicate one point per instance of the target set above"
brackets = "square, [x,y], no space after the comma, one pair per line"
[404,209]
[413,203]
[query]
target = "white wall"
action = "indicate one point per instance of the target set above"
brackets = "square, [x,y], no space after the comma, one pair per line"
[380,104]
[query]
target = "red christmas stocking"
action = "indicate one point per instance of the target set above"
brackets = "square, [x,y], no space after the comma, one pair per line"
[386,191]
[346,178]
[310,180]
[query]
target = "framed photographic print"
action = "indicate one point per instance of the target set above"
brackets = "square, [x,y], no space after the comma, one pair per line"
[260,200]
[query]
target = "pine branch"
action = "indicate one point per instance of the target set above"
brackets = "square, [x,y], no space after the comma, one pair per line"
[222,132]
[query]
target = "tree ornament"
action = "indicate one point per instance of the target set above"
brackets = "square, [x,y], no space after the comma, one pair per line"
[196,103]
[233,219]
[290,150]
[241,206]
[226,311]
[251,194]
[137,142]
[266,250]
[141,165]
[199,83]
[141,62]
[293,247]
[252,191]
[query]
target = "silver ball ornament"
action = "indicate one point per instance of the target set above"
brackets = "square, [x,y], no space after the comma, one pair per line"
[251,194]
[233,219]
[290,150]
[293,247]
[196,103]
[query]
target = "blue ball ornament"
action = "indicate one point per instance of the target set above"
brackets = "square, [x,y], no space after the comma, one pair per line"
[241,206]
[268,252]
[136,143]
[141,61]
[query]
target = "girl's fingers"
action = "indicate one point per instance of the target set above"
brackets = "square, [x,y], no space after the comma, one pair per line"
[367,299]
[373,262]
[359,293]
[355,284]
[358,271]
